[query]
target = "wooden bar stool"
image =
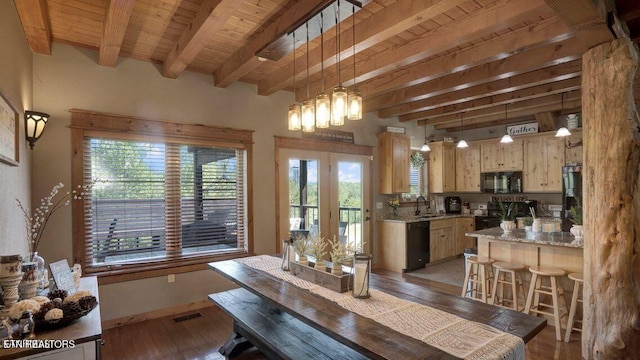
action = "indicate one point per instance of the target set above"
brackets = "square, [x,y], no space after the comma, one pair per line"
[477,280]
[538,273]
[501,270]
[578,280]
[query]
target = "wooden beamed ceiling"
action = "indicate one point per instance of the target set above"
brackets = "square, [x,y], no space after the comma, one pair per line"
[424,61]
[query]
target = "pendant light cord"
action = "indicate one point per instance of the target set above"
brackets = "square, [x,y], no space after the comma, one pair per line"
[353,33]
[322,49]
[294,66]
[307,60]
[338,43]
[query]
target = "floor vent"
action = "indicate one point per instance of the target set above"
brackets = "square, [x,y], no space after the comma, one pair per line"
[186,317]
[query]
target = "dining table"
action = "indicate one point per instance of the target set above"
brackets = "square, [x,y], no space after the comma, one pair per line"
[365,335]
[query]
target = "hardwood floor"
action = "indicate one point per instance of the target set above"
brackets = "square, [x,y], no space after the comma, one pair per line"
[201,337]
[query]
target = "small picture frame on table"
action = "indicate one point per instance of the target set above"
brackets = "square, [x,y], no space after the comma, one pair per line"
[62,276]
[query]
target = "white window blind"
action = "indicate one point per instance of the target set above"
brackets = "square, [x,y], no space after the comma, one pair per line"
[157,200]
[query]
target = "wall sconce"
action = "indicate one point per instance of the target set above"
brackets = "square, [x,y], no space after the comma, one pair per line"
[34,123]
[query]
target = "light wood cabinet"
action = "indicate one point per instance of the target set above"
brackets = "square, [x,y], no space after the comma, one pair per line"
[442,167]
[574,153]
[463,226]
[468,169]
[544,158]
[501,157]
[392,239]
[442,239]
[393,163]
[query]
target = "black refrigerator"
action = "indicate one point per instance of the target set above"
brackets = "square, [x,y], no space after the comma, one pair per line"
[571,192]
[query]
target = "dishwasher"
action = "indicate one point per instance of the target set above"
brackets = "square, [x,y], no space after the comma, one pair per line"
[417,245]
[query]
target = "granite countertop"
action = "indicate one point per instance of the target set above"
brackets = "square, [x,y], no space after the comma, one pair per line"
[520,235]
[412,218]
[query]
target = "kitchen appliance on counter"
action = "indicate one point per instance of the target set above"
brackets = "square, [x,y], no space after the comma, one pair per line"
[492,219]
[417,245]
[452,205]
[501,182]
[571,191]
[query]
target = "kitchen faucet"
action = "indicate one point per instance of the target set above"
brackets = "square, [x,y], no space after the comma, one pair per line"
[417,212]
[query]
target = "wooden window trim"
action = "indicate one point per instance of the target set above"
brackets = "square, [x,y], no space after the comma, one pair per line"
[90,123]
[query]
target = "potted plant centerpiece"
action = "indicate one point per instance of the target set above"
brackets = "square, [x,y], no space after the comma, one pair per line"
[301,246]
[318,246]
[576,218]
[508,216]
[338,256]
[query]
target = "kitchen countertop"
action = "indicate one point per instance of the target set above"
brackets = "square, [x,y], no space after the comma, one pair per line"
[413,218]
[519,235]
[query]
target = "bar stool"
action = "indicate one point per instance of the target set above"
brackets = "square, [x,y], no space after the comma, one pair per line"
[575,299]
[477,280]
[556,292]
[501,270]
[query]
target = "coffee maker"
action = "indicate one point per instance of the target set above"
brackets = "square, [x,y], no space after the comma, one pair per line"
[452,205]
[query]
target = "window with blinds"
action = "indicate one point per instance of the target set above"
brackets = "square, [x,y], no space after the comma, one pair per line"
[418,181]
[167,197]
[154,201]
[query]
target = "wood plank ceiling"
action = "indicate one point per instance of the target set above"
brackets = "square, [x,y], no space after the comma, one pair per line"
[419,60]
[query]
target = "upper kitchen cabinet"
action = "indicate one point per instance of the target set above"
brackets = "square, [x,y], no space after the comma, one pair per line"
[544,158]
[393,163]
[442,167]
[574,147]
[468,168]
[502,157]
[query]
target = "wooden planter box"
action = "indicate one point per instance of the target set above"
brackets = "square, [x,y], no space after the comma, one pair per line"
[322,278]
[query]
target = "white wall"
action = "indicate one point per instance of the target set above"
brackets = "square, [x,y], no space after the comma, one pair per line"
[16,84]
[71,78]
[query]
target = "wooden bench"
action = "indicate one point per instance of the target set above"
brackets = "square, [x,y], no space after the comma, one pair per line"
[277,334]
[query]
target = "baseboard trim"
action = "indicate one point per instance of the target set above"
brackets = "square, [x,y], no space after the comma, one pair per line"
[127,320]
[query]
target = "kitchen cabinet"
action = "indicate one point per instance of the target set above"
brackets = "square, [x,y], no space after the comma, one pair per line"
[544,158]
[403,246]
[501,157]
[468,169]
[442,238]
[463,226]
[393,163]
[574,153]
[442,167]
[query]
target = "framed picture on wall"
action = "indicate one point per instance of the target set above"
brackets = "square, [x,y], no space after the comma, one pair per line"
[9,132]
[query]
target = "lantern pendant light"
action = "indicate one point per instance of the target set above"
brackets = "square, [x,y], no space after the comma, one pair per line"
[563,131]
[462,143]
[323,104]
[339,93]
[506,139]
[294,109]
[354,96]
[308,106]
[425,147]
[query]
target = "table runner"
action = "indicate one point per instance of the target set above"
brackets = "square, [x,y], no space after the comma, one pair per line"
[450,333]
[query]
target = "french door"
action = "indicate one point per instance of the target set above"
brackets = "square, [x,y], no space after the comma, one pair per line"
[324,192]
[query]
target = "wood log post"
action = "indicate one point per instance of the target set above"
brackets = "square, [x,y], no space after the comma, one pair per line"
[611,132]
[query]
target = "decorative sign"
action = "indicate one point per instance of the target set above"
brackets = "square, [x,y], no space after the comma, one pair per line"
[396,129]
[330,135]
[522,129]
[62,276]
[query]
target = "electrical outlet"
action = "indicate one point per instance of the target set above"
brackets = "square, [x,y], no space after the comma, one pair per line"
[378,205]
[171,278]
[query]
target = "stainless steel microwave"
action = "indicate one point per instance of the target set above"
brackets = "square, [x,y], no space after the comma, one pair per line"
[501,182]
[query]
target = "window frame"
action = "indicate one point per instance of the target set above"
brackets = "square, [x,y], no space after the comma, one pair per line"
[91,124]
[423,178]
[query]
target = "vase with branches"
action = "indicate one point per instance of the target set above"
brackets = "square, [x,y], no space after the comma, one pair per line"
[301,247]
[339,254]
[318,249]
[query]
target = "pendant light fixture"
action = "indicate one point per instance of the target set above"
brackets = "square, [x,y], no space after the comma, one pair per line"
[294,109]
[506,139]
[462,143]
[308,106]
[425,147]
[563,131]
[323,104]
[339,94]
[354,96]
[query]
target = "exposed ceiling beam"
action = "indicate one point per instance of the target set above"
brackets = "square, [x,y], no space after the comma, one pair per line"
[499,16]
[498,109]
[392,20]
[209,19]
[35,21]
[115,26]
[588,18]
[497,122]
[488,59]
[501,99]
[245,60]
[533,79]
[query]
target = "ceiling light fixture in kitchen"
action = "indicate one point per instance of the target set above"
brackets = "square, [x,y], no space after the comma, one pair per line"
[462,143]
[308,106]
[323,104]
[563,131]
[294,109]
[354,97]
[339,93]
[506,138]
[425,147]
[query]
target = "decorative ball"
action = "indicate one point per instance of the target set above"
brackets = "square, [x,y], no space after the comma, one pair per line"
[77,296]
[15,312]
[57,293]
[41,299]
[53,314]
[71,309]
[44,308]
[87,302]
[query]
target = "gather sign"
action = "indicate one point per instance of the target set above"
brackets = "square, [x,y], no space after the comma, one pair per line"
[521,129]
